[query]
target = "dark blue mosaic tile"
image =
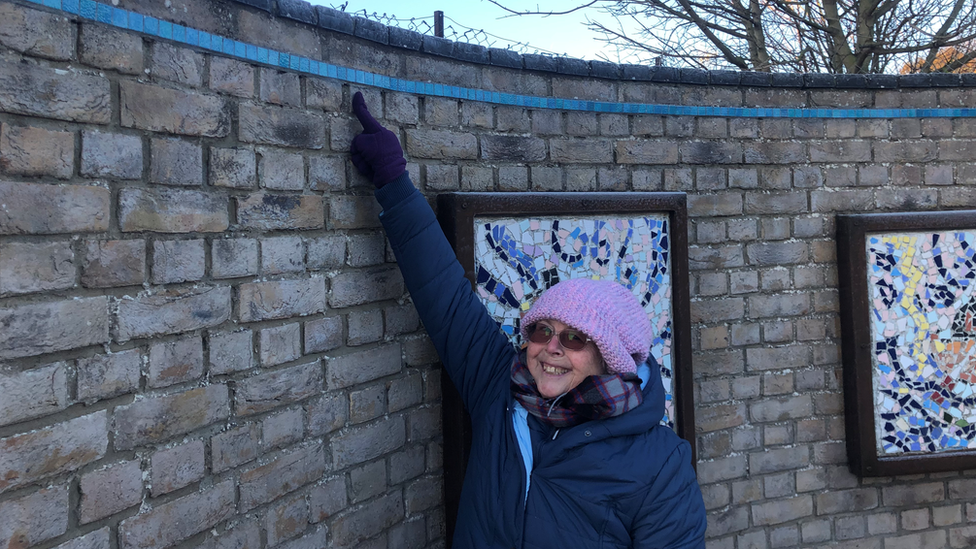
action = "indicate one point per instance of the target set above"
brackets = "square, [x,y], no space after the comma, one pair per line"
[151,24]
[88,9]
[136,22]
[299,10]
[103,14]
[403,38]
[165,30]
[71,6]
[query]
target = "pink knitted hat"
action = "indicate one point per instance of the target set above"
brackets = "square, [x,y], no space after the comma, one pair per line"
[605,311]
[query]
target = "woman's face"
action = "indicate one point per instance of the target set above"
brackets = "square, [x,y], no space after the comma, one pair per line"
[556,369]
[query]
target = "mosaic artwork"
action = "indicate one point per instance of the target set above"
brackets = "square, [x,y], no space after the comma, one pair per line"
[922,305]
[517,259]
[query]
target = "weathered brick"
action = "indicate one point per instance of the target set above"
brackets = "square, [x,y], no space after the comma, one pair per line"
[367,442]
[178,261]
[110,48]
[230,352]
[365,286]
[158,109]
[177,64]
[363,366]
[30,151]
[173,311]
[172,211]
[282,254]
[368,520]
[353,212]
[325,94]
[39,328]
[915,494]
[847,501]
[277,126]
[286,520]
[922,540]
[175,162]
[778,358]
[423,423]
[442,178]
[99,539]
[177,467]
[423,494]
[282,429]
[270,390]
[286,473]
[110,490]
[281,299]
[504,148]
[111,155]
[279,87]
[105,376]
[368,481]
[961,537]
[280,344]
[64,447]
[37,33]
[156,419]
[280,170]
[778,459]
[28,267]
[366,250]
[171,522]
[29,208]
[327,413]
[327,173]
[323,334]
[110,263]
[68,94]
[231,76]
[327,252]
[33,519]
[366,404]
[513,178]
[33,393]
[277,211]
[724,416]
[175,361]
[234,168]
[440,144]
[234,447]
[783,510]
[644,152]
[365,327]
[234,257]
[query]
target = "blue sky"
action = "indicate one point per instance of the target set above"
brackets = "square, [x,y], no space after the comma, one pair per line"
[564,34]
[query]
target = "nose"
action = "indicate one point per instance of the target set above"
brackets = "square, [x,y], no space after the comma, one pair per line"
[554,347]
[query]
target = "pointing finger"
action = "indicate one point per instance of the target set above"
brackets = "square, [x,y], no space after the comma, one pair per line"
[370,125]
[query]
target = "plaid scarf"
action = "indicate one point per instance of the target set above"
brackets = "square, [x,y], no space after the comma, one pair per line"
[596,397]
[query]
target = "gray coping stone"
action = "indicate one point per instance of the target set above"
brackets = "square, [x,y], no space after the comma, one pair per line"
[818,80]
[373,31]
[437,46]
[335,20]
[299,10]
[664,74]
[915,81]
[536,62]
[787,80]
[260,4]
[724,78]
[692,76]
[757,79]
[641,73]
[573,66]
[602,69]
[881,81]
[968,79]
[472,53]
[945,80]
[850,81]
[504,58]
[408,39]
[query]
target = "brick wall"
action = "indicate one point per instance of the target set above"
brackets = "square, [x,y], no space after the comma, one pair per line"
[204,341]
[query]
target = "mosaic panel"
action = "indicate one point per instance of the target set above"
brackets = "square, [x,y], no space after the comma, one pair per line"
[921,306]
[517,259]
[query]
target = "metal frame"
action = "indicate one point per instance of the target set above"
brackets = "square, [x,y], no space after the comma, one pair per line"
[457,212]
[856,345]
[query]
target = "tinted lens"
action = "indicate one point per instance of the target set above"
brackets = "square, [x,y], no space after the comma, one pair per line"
[570,339]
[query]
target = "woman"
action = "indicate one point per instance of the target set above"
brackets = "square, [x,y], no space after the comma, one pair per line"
[567,448]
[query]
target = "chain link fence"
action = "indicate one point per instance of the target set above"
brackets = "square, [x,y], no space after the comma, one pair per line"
[452,30]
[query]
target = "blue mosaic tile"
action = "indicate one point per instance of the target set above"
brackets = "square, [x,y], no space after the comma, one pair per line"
[70,6]
[136,22]
[294,62]
[304,63]
[151,25]
[251,53]
[166,30]
[56,4]
[262,55]
[103,13]
[179,33]
[229,46]
[240,49]
[120,18]
[332,71]
[283,60]
[192,37]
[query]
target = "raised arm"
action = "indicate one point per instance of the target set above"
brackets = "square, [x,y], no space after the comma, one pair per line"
[474,352]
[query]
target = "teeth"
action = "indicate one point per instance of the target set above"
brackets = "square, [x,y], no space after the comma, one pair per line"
[553,371]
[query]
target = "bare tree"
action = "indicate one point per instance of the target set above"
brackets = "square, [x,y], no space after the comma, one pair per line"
[833,36]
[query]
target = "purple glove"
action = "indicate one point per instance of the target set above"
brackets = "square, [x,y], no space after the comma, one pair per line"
[376,152]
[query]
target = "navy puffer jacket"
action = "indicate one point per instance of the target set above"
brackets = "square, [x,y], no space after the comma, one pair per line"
[620,482]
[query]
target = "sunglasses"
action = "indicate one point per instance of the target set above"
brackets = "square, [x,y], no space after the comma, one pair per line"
[570,339]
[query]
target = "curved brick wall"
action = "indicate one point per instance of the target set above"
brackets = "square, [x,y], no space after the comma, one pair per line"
[204,341]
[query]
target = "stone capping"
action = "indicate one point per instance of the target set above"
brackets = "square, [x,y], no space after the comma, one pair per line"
[339,21]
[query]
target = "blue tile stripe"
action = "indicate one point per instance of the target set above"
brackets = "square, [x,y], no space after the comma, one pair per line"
[127,20]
